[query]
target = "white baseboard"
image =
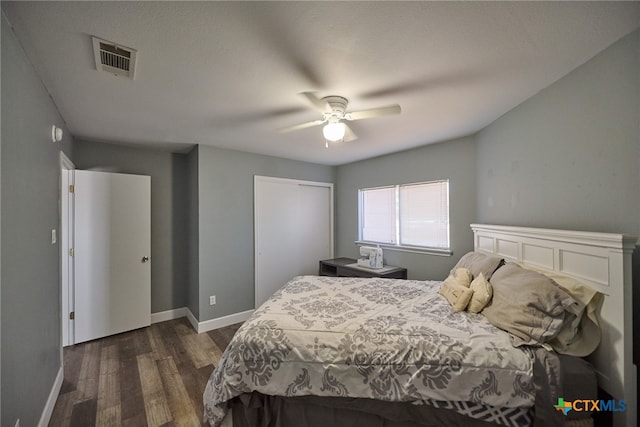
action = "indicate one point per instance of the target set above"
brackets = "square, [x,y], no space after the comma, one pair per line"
[51,401]
[163,316]
[199,327]
[223,321]
[220,322]
[192,319]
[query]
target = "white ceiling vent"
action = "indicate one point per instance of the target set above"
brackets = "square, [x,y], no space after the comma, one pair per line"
[114,59]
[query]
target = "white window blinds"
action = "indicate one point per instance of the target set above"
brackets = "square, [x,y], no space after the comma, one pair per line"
[413,215]
[424,214]
[379,215]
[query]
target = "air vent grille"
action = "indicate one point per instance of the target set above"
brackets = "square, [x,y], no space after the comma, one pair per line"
[114,59]
[113,56]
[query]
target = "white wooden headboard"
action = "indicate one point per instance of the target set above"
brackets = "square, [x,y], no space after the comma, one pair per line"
[600,260]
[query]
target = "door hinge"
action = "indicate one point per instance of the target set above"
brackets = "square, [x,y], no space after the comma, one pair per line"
[72,315]
[71,252]
[72,188]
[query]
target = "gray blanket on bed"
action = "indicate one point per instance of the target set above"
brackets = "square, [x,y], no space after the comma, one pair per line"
[391,340]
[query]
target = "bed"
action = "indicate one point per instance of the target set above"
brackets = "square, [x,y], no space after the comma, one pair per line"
[353,351]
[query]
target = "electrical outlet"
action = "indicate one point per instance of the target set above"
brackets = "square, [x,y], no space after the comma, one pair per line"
[212,300]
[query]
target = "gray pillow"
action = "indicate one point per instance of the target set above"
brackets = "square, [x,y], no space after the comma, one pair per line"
[527,304]
[477,263]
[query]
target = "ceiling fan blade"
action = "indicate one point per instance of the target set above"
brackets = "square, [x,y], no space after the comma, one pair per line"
[374,112]
[319,104]
[302,126]
[349,135]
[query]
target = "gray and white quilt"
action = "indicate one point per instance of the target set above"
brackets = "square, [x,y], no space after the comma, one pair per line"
[384,339]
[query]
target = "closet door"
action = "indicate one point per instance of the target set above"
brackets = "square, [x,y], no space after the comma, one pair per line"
[315,227]
[293,223]
[112,253]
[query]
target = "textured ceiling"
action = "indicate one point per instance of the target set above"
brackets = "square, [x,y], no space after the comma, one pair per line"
[228,74]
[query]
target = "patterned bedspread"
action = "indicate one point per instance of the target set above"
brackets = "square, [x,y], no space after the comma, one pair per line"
[393,340]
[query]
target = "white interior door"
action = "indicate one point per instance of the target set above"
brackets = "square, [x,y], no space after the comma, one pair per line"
[112,253]
[293,225]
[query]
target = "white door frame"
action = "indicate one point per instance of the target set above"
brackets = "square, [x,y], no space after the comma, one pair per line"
[259,178]
[66,244]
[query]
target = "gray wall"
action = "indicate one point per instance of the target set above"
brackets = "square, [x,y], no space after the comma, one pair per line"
[30,322]
[570,156]
[567,158]
[168,173]
[193,234]
[452,160]
[226,250]
[202,219]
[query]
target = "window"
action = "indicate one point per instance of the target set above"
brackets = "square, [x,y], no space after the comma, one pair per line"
[406,216]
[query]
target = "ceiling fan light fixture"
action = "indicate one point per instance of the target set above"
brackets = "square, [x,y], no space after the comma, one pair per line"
[334,110]
[334,131]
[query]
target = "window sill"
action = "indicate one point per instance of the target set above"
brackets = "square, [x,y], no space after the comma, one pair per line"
[410,249]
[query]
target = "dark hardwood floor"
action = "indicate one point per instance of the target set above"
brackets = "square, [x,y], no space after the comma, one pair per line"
[152,376]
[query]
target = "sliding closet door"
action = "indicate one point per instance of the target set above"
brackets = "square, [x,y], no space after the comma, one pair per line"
[315,227]
[293,223]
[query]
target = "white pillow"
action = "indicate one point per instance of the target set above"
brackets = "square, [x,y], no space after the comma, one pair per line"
[581,335]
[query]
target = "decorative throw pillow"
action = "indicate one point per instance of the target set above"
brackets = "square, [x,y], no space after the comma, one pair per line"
[463,276]
[482,293]
[458,295]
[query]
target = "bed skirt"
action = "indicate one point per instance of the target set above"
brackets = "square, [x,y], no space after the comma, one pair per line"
[259,410]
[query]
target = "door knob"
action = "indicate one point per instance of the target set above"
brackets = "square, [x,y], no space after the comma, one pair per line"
[145,259]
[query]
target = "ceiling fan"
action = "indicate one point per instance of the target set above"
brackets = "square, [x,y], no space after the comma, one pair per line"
[334,114]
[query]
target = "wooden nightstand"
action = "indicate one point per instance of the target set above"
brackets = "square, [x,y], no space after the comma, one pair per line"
[347,267]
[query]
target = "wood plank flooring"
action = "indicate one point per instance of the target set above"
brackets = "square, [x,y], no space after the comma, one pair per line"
[152,377]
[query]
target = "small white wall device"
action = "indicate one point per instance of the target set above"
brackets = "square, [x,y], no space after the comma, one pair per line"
[56,134]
